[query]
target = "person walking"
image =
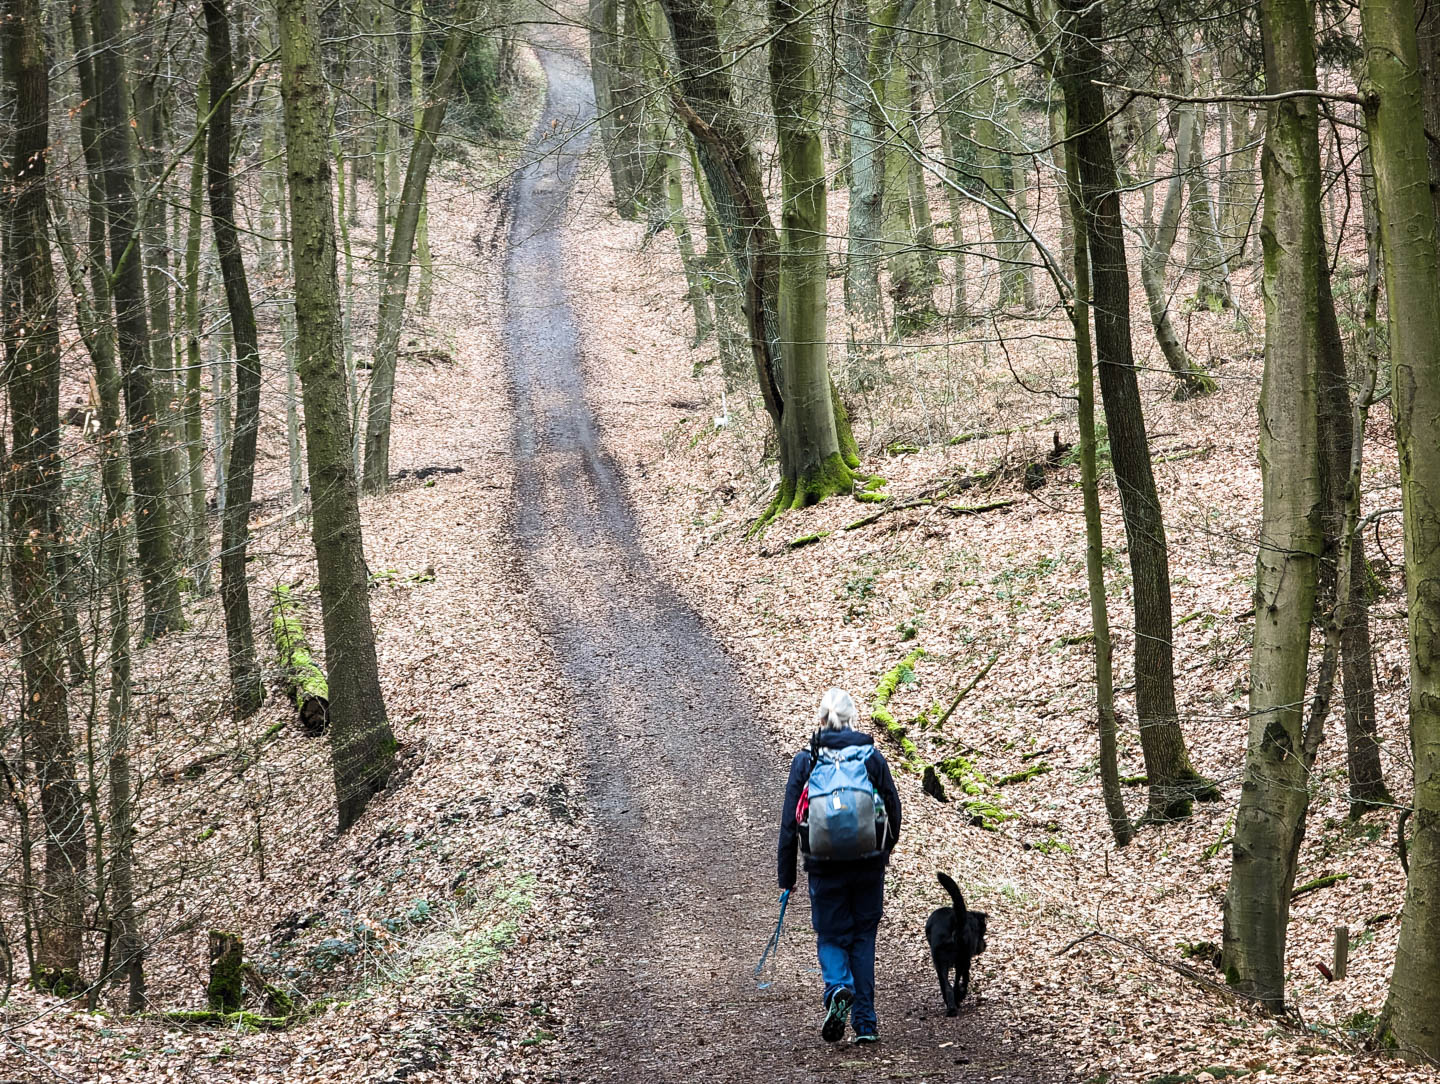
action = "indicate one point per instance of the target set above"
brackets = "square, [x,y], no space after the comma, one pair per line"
[843,812]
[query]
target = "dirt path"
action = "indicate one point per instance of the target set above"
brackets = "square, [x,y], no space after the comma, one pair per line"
[683,784]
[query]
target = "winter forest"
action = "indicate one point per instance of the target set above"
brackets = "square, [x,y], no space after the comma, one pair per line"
[449,447]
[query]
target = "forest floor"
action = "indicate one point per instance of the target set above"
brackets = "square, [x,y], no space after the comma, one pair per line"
[598,679]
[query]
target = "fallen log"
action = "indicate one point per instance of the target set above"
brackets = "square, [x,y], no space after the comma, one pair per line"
[304,680]
[1319,883]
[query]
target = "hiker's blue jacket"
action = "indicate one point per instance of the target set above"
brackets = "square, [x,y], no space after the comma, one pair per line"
[878,771]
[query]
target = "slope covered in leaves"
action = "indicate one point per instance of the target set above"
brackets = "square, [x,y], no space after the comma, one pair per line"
[961,586]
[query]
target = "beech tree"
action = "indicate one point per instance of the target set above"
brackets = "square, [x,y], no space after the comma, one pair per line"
[1395,118]
[1173,782]
[245,687]
[150,461]
[402,243]
[31,336]
[361,742]
[817,450]
[1271,818]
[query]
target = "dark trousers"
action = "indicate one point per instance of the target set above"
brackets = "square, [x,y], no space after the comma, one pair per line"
[845,912]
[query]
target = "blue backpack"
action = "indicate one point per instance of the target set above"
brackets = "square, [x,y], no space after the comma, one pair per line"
[841,815]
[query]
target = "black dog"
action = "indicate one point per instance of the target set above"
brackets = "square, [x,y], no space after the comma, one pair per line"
[956,935]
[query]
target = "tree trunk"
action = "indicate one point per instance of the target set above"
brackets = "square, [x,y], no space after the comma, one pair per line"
[816,450]
[352,393]
[1270,821]
[417,116]
[95,320]
[220,392]
[689,260]
[913,303]
[810,452]
[1159,240]
[1020,186]
[955,138]
[1395,115]
[866,56]
[1173,782]
[379,174]
[1058,155]
[627,93]
[995,176]
[1342,443]
[1120,826]
[362,744]
[194,365]
[397,268]
[719,275]
[604,27]
[1204,253]
[149,458]
[152,106]
[1239,192]
[227,972]
[246,690]
[31,336]
[1367,778]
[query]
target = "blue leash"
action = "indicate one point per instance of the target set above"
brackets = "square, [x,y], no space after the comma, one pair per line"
[774,942]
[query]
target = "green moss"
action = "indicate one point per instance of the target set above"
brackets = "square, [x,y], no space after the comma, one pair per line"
[829,477]
[227,973]
[59,982]
[865,497]
[1021,776]
[981,811]
[304,677]
[874,482]
[901,448]
[986,814]
[808,539]
[1319,883]
[964,774]
[880,706]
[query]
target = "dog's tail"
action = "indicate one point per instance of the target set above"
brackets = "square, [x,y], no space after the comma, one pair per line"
[954,890]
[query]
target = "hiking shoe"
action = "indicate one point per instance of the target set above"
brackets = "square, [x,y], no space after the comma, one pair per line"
[833,1029]
[864,1038]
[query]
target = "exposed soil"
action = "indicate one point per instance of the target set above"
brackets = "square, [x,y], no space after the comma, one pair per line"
[684,781]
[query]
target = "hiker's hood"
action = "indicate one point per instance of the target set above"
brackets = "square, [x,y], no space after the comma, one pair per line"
[842,739]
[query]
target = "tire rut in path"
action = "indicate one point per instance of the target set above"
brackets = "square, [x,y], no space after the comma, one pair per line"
[683,785]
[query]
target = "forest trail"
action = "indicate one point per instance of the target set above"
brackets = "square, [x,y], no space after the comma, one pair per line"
[683,785]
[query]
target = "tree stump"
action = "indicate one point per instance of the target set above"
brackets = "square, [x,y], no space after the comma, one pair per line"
[304,680]
[227,972]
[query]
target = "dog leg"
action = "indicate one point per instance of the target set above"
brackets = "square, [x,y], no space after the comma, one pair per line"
[947,989]
[963,979]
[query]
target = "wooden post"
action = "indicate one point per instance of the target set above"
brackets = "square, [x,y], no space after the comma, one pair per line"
[1342,951]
